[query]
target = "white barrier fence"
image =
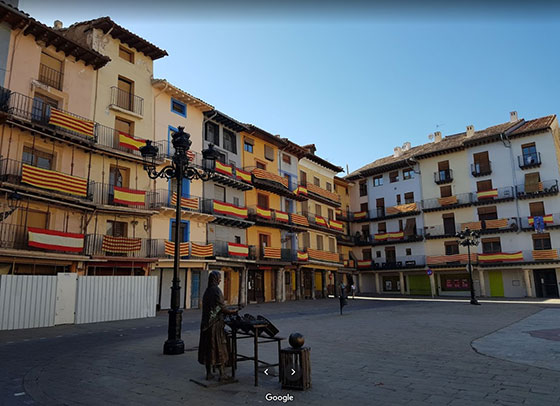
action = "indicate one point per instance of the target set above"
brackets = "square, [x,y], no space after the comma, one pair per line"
[43,301]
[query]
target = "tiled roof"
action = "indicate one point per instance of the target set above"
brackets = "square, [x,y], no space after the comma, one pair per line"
[182,95]
[537,124]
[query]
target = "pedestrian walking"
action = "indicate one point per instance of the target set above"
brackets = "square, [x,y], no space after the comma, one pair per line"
[343,296]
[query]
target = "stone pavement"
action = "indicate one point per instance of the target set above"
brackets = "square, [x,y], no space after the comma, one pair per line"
[377,353]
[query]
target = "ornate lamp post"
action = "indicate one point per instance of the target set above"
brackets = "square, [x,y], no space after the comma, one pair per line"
[179,169]
[14,202]
[467,239]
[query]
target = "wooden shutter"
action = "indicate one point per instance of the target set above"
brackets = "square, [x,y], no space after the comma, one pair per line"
[532,182]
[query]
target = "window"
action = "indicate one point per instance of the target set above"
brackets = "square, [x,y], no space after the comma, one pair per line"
[481,162]
[366,254]
[491,245]
[261,165]
[230,141]
[262,200]
[119,176]
[536,209]
[529,153]
[320,242]
[287,159]
[448,223]
[330,214]
[394,176]
[487,213]
[179,107]
[364,207]
[38,158]
[305,240]
[236,201]
[328,186]
[269,152]
[119,229]
[212,133]
[409,197]
[316,181]
[400,225]
[378,254]
[381,228]
[302,178]
[451,247]
[532,182]
[445,191]
[378,181]
[363,188]
[484,185]
[380,207]
[264,240]
[390,255]
[444,173]
[407,173]
[318,210]
[183,231]
[126,54]
[50,71]
[409,251]
[237,239]
[220,193]
[248,145]
[125,126]
[541,241]
[42,107]
[125,95]
[398,199]
[410,227]
[365,231]
[33,218]
[332,245]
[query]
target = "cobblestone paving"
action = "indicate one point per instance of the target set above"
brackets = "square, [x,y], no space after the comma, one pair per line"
[377,353]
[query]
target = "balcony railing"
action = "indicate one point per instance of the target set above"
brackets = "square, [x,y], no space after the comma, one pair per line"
[400,262]
[481,168]
[127,101]
[15,236]
[501,193]
[443,176]
[145,248]
[20,173]
[50,77]
[548,220]
[323,222]
[390,237]
[321,194]
[542,188]
[447,202]
[441,231]
[274,254]
[160,251]
[106,194]
[162,198]
[234,250]
[531,160]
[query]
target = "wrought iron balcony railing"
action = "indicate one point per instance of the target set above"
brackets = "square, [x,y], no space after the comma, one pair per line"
[50,77]
[127,101]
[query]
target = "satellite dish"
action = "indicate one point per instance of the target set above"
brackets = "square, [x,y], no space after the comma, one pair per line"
[431,137]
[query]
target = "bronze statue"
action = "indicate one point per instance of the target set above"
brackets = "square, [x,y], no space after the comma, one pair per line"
[212,348]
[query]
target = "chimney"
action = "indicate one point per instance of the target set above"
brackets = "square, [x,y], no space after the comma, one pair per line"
[57,25]
[406,146]
[397,152]
[513,116]
[437,136]
[470,131]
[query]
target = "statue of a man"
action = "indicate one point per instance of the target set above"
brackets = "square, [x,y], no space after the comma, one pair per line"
[212,348]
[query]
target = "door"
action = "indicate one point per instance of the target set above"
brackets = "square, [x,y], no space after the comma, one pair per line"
[255,288]
[116,178]
[41,109]
[307,284]
[496,283]
[195,289]
[419,285]
[66,285]
[546,284]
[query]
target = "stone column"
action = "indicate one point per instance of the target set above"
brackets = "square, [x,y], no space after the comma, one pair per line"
[280,285]
[401,278]
[433,285]
[298,284]
[377,283]
[243,286]
[313,284]
[482,283]
[324,283]
[528,285]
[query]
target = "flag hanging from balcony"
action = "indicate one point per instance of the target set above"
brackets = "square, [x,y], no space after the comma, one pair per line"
[130,142]
[55,240]
[336,225]
[501,257]
[70,122]
[183,248]
[244,176]
[396,235]
[282,216]
[364,263]
[191,203]
[201,250]
[224,169]
[121,244]
[321,221]
[443,259]
[381,236]
[272,253]
[323,192]
[401,208]
[498,223]
[238,250]
[299,220]
[473,225]
[547,219]
[360,215]
[323,255]
[545,254]
[446,201]
[52,180]
[302,256]
[130,197]
[301,190]
[262,174]
[487,194]
[264,213]
[230,210]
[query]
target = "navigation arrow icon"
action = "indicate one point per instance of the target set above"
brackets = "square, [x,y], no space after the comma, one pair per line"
[266,371]
[293,371]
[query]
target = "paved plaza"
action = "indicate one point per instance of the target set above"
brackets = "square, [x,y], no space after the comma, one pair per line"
[380,352]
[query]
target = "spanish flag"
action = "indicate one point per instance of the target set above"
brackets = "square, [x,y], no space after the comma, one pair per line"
[71,122]
[487,194]
[229,209]
[321,221]
[301,190]
[53,180]
[224,169]
[183,248]
[201,250]
[238,250]
[336,225]
[129,197]
[396,235]
[360,215]
[128,141]
[381,236]
[244,176]
[547,218]
[302,256]
[264,213]
[501,257]
[282,216]
[364,263]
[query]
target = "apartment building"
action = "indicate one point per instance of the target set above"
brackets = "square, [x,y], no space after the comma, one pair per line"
[348,273]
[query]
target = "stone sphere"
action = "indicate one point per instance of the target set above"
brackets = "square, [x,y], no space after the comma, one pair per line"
[296,340]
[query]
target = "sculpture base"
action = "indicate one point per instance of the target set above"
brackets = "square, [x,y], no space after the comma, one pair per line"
[174,347]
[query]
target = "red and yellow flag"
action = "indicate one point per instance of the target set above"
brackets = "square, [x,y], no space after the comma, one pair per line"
[360,215]
[262,174]
[336,225]
[302,256]
[201,250]
[364,263]
[238,250]
[55,240]
[446,201]
[396,235]
[545,254]
[70,122]
[323,255]
[498,223]
[501,257]
[381,236]
[244,176]
[224,169]
[301,190]
[129,197]
[183,248]
[282,216]
[53,180]
[321,221]
[264,213]
[130,142]
[121,244]
[299,219]
[547,218]
[230,209]
[186,202]
[272,253]
[487,194]
[323,192]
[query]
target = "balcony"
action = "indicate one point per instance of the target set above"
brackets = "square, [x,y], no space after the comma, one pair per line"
[344,239]
[401,210]
[98,245]
[110,195]
[323,256]
[323,223]
[234,251]
[227,214]
[321,195]
[342,215]
[441,231]
[549,221]
[494,195]
[444,176]
[50,77]
[126,101]
[530,160]
[16,237]
[389,238]
[273,218]
[501,225]
[164,249]
[542,188]
[455,260]
[230,176]
[519,257]
[360,216]
[446,203]
[48,181]
[481,169]
[271,182]
[271,254]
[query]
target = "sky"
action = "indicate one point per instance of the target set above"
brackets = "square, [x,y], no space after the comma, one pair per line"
[353,78]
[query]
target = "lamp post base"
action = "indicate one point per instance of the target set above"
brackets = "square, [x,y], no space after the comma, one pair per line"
[475,302]
[174,345]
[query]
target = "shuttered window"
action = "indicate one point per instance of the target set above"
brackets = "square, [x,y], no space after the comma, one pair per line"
[269,153]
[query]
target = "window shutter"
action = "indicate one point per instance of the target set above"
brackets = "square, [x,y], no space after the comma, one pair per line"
[269,153]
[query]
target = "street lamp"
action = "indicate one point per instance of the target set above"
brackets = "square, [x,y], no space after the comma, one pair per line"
[14,202]
[467,239]
[179,169]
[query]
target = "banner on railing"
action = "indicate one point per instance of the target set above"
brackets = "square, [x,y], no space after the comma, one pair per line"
[473,225]
[443,259]
[70,122]
[264,213]
[323,255]
[130,197]
[545,254]
[272,253]
[299,219]
[238,250]
[321,221]
[487,194]
[191,203]
[244,176]
[230,209]
[364,263]
[446,201]
[394,235]
[282,216]
[401,208]
[302,256]
[183,248]
[501,257]
[55,240]
[201,250]
[336,225]
[130,142]
[323,192]
[547,219]
[360,215]
[262,174]
[53,180]
[224,169]
[121,244]
[498,223]
[301,190]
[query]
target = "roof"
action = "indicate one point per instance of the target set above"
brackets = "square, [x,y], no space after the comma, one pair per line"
[107,25]
[538,124]
[181,95]
[259,132]
[221,118]
[51,37]
[323,162]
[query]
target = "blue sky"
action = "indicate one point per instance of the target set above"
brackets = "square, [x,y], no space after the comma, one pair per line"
[357,80]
